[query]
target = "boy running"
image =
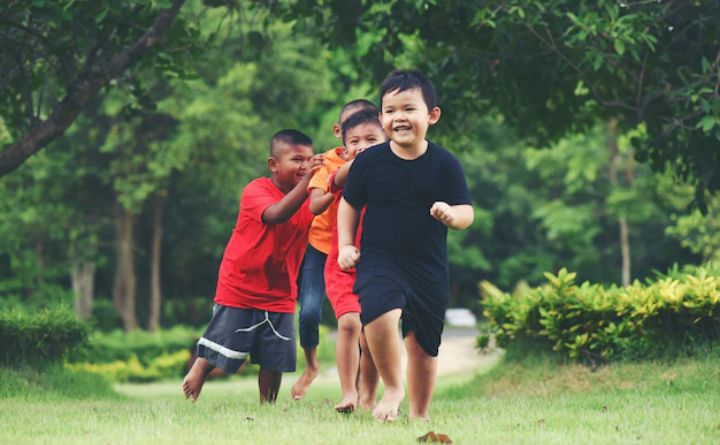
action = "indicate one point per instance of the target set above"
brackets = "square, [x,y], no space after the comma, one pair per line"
[414,190]
[256,290]
[360,131]
[312,284]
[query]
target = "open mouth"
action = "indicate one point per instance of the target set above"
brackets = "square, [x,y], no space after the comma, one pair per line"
[401,128]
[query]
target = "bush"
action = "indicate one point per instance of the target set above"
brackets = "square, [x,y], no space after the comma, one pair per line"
[137,356]
[165,366]
[39,339]
[144,346]
[674,314]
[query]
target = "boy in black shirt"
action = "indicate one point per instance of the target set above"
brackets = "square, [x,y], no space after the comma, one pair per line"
[414,190]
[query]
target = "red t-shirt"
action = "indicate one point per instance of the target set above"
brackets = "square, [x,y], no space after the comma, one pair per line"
[260,266]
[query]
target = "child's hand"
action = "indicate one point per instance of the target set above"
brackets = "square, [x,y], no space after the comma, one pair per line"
[443,212]
[348,257]
[315,163]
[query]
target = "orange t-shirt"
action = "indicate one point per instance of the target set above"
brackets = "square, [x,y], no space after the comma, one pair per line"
[320,236]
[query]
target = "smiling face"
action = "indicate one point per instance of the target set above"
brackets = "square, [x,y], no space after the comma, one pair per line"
[289,164]
[362,136]
[405,118]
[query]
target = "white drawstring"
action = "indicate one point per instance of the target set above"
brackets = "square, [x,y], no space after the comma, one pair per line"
[267,319]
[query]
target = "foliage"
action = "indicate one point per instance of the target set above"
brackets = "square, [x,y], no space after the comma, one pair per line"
[39,339]
[595,324]
[144,347]
[551,67]
[700,233]
[164,366]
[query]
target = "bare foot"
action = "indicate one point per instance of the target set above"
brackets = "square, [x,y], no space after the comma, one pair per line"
[388,408]
[301,386]
[366,403]
[195,378]
[347,404]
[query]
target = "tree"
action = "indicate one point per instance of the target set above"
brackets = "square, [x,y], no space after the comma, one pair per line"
[553,67]
[58,55]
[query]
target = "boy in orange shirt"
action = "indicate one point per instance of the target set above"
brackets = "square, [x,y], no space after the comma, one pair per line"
[312,283]
[358,375]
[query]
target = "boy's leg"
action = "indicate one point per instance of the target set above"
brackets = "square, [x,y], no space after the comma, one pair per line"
[368,377]
[421,374]
[311,293]
[269,384]
[195,378]
[384,342]
[347,355]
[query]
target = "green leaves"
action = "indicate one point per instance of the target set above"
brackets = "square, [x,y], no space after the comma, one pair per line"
[591,322]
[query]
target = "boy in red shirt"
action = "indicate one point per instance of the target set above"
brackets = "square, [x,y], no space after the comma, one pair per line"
[256,290]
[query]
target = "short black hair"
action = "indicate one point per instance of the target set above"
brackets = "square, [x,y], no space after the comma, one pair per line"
[403,80]
[357,119]
[289,136]
[358,105]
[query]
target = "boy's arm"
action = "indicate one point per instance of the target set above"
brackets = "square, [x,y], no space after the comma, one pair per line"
[284,209]
[455,217]
[347,221]
[319,200]
[341,174]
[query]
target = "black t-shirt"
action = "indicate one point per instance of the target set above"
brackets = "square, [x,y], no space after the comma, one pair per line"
[399,193]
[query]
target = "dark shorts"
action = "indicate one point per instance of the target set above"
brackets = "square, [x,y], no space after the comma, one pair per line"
[423,316]
[233,334]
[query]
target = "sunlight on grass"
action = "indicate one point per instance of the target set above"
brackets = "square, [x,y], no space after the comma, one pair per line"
[530,402]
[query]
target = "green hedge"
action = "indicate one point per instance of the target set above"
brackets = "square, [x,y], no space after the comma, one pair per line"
[595,324]
[39,339]
[144,346]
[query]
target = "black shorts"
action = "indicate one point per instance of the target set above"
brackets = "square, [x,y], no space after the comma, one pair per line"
[422,315]
[233,334]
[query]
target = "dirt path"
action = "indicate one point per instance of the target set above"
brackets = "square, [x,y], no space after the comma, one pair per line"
[457,355]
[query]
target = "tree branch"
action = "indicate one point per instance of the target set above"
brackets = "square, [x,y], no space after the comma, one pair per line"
[82,91]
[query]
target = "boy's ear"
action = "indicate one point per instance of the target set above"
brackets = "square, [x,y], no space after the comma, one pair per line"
[337,130]
[434,115]
[272,164]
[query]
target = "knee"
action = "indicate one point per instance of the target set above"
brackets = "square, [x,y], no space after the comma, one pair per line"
[349,326]
[310,314]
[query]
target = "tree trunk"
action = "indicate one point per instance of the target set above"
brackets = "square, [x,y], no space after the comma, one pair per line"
[155,262]
[83,284]
[124,289]
[622,220]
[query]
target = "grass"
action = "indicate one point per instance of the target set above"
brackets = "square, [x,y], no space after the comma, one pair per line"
[534,401]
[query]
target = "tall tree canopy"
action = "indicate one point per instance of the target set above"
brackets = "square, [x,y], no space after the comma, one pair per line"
[554,66]
[58,55]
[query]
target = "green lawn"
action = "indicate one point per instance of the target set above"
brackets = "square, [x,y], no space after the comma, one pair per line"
[536,401]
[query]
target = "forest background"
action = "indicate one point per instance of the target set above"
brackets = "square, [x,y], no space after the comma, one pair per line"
[589,135]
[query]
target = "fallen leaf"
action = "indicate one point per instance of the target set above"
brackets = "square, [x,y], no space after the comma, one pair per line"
[432,437]
[429,437]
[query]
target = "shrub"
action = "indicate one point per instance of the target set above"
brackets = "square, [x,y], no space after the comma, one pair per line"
[144,346]
[170,365]
[593,323]
[39,339]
